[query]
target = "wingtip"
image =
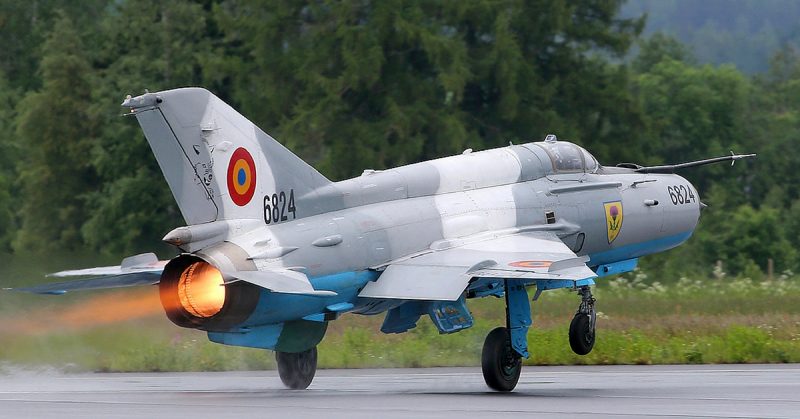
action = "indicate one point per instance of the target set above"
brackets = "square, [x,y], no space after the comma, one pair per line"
[36,290]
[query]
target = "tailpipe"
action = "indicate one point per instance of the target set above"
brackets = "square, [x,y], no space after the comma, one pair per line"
[194,295]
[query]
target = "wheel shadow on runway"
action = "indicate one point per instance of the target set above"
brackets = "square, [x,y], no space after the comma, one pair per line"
[565,393]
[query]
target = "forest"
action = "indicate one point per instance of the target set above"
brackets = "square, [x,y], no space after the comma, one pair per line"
[367,84]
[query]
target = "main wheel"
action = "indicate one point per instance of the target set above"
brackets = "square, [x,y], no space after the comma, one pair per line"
[297,369]
[501,365]
[581,334]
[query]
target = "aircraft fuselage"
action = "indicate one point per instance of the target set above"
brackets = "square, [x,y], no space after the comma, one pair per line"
[389,215]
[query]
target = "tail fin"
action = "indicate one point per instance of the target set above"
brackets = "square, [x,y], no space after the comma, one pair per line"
[218,164]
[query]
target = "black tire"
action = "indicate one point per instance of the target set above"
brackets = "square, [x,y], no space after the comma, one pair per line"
[501,365]
[297,369]
[581,335]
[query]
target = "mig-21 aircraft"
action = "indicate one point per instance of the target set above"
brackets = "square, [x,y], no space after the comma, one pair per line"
[272,250]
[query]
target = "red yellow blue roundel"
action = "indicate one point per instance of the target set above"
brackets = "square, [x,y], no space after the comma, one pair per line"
[531,264]
[241,177]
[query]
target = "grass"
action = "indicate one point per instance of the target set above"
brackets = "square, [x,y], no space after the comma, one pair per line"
[718,320]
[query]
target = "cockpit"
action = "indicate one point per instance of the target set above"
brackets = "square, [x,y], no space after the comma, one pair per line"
[567,157]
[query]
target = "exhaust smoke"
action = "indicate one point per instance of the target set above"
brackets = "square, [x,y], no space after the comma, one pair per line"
[99,310]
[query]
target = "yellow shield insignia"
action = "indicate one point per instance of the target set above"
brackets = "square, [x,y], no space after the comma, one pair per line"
[613,219]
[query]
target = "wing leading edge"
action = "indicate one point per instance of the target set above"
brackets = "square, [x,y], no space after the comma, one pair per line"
[444,274]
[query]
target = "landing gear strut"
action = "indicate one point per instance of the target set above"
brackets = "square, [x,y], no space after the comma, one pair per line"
[501,359]
[297,369]
[582,328]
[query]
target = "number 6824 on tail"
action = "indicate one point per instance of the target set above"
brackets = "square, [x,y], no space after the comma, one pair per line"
[278,206]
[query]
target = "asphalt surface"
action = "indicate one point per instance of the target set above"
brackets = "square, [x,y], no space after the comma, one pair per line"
[605,391]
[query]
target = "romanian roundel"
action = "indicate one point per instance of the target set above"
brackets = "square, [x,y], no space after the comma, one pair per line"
[241,177]
[531,264]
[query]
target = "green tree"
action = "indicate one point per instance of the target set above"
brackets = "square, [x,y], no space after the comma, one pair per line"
[7,164]
[146,45]
[776,112]
[693,113]
[658,48]
[351,85]
[24,25]
[57,134]
[376,84]
[745,238]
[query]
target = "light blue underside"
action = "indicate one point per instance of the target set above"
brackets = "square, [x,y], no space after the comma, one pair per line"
[276,307]
[265,337]
[636,250]
[615,268]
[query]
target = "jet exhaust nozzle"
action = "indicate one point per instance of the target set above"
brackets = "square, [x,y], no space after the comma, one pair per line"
[194,295]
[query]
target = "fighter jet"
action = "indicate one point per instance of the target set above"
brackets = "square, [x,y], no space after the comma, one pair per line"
[272,250]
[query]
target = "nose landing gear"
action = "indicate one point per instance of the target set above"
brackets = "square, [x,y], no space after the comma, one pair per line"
[582,327]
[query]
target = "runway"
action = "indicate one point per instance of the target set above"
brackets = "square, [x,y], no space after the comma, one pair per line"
[586,391]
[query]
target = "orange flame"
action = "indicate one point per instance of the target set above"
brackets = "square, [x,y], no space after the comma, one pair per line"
[201,290]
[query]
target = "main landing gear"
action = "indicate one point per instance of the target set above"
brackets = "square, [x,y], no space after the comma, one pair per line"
[582,328]
[297,369]
[504,348]
[500,363]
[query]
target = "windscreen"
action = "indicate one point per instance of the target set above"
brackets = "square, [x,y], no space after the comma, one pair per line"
[566,157]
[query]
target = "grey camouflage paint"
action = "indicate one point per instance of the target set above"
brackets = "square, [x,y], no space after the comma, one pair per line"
[382,216]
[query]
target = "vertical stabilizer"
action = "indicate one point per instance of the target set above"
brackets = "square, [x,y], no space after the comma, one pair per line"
[218,164]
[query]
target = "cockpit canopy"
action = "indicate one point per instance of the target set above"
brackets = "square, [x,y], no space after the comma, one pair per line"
[567,157]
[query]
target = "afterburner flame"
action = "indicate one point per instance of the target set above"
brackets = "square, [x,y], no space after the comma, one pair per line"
[201,290]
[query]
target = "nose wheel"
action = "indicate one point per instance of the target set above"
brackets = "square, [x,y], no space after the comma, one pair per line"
[297,369]
[582,327]
[501,365]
